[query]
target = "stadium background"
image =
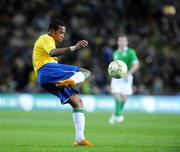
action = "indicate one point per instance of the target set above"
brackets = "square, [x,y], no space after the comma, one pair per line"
[152,25]
[153,30]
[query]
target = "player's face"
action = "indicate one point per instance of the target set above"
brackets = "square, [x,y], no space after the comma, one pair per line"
[59,33]
[122,42]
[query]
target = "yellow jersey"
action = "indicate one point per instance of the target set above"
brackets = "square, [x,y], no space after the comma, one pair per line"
[42,47]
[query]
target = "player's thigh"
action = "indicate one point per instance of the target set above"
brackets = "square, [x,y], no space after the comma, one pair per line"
[122,86]
[116,87]
[75,101]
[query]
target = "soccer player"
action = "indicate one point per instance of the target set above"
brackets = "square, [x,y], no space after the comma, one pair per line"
[60,79]
[122,88]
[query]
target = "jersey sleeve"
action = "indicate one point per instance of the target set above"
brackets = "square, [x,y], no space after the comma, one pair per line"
[48,45]
[134,58]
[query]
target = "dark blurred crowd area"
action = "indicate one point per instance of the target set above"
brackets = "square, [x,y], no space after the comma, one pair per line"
[151,25]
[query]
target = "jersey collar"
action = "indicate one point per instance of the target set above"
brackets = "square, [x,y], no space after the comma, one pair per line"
[125,49]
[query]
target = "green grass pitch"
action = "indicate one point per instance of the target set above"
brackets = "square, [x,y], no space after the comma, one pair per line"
[53,131]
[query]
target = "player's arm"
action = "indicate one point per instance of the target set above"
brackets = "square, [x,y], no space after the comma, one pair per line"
[62,51]
[133,68]
[134,64]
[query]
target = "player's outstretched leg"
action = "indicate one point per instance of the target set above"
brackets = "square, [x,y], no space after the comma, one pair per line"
[78,77]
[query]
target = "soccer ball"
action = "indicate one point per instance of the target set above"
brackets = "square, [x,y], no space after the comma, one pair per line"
[117,69]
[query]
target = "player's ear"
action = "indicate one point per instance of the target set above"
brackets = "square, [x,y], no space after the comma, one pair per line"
[52,31]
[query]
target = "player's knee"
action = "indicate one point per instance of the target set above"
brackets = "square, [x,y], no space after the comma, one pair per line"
[76,102]
[88,73]
[78,105]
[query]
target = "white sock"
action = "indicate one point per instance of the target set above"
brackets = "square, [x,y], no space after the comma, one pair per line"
[78,77]
[79,122]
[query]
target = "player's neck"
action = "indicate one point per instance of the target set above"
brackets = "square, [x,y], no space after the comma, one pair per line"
[49,33]
[121,48]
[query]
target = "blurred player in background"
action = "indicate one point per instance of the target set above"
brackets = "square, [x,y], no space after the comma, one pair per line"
[122,88]
[60,79]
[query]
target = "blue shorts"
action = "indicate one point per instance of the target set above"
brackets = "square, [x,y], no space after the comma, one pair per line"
[51,73]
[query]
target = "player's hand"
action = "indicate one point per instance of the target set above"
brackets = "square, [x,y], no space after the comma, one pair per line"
[126,77]
[81,44]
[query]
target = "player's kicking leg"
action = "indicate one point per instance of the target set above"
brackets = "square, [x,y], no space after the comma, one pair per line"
[78,77]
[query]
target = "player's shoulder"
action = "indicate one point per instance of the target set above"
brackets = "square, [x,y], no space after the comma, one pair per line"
[44,38]
[131,49]
[116,50]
